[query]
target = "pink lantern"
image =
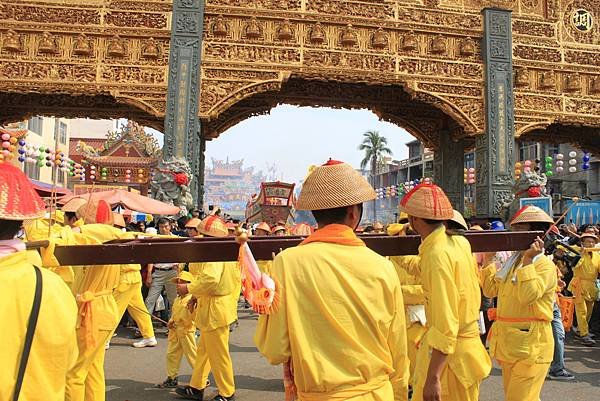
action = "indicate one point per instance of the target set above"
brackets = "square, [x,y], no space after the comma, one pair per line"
[6,145]
[471,181]
[127,180]
[527,169]
[527,163]
[127,171]
[471,170]
[5,137]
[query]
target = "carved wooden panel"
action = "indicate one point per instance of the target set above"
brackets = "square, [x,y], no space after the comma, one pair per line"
[254,52]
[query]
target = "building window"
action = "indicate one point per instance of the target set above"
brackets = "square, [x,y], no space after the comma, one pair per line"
[32,170]
[60,179]
[35,124]
[528,151]
[62,133]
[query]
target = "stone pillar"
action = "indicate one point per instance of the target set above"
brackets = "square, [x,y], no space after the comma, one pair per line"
[182,126]
[495,149]
[448,166]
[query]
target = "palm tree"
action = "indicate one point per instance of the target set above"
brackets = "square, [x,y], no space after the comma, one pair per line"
[375,147]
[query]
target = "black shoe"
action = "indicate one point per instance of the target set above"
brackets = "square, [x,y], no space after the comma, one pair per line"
[563,375]
[219,397]
[168,383]
[190,393]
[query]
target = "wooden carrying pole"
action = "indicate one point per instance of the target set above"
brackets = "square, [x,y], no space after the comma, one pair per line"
[181,250]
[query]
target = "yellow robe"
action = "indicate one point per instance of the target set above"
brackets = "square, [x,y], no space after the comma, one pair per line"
[37,230]
[452,300]
[217,287]
[521,337]
[583,286]
[95,298]
[409,274]
[182,339]
[340,321]
[54,347]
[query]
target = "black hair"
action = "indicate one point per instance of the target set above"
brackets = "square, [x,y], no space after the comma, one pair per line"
[331,216]
[452,225]
[181,222]
[162,220]
[9,228]
[70,215]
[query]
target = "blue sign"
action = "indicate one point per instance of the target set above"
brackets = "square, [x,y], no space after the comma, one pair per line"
[544,203]
[584,212]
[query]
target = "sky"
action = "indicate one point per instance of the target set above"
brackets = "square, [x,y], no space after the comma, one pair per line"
[293,138]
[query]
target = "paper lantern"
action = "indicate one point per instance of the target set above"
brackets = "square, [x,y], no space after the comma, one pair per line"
[12,140]
[527,163]
[549,173]
[586,157]
[585,166]
[560,163]
[560,156]
[92,177]
[559,169]
[5,137]
[572,162]
[572,169]
[572,154]
[518,165]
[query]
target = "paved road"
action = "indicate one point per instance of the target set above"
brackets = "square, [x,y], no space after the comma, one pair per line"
[131,373]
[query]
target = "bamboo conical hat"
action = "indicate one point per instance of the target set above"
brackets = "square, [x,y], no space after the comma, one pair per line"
[531,214]
[332,185]
[213,226]
[427,201]
[459,219]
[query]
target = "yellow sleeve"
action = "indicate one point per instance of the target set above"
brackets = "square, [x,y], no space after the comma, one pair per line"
[487,280]
[442,320]
[535,280]
[207,280]
[272,334]
[413,294]
[397,344]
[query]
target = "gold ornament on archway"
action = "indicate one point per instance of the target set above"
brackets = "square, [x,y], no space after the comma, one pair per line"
[522,78]
[285,31]
[47,43]
[468,47]
[438,45]
[317,34]
[150,49]
[220,27]
[410,42]
[573,82]
[348,36]
[253,29]
[380,39]
[81,46]
[115,47]
[548,80]
[12,41]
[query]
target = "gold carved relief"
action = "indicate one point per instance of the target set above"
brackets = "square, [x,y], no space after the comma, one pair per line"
[82,46]
[11,41]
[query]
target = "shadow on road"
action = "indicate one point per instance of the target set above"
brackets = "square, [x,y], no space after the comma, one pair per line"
[258,384]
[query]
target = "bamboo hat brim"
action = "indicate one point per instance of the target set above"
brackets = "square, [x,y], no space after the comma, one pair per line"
[264,226]
[93,212]
[118,220]
[73,205]
[332,185]
[589,235]
[213,226]
[531,214]
[459,219]
[18,198]
[427,201]
[192,223]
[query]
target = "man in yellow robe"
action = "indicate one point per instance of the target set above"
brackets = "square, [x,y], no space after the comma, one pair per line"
[98,312]
[521,337]
[583,286]
[451,360]
[216,288]
[340,325]
[54,346]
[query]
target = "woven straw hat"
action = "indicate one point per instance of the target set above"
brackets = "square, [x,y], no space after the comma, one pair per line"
[118,220]
[459,219]
[378,225]
[95,212]
[427,201]
[213,226]
[302,229]
[18,198]
[264,226]
[183,276]
[589,235]
[332,185]
[531,214]
[278,228]
[476,227]
[73,205]
[192,223]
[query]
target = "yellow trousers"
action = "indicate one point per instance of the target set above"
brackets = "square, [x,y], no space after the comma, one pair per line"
[452,389]
[85,380]
[130,298]
[413,336]
[583,309]
[213,353]
[180,343]
[522,381]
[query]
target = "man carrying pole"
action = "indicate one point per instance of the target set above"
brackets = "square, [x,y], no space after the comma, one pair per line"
[340,326]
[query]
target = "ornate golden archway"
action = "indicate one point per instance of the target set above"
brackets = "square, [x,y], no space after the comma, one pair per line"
[401,58]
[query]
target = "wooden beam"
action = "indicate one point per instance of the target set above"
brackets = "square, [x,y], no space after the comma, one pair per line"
[167,250]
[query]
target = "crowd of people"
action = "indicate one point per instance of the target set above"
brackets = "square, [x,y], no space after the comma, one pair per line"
[349,325]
